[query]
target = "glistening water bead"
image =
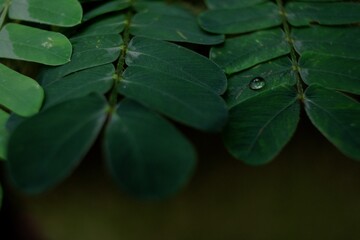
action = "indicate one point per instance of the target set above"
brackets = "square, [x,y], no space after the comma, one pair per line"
[257,83]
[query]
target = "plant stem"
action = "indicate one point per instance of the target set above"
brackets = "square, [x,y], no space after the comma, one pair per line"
[4,12]
[294,58]
[121,63]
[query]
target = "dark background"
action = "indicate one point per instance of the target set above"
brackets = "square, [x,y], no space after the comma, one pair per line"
[310,191]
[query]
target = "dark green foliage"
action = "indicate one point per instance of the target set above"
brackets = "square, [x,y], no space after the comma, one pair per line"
[114,55]
[130,76]
[18,93]
[294,51]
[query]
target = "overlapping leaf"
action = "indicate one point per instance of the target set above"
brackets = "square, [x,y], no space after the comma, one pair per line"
[172,80]
[146,154]
[287,56]
[18,93]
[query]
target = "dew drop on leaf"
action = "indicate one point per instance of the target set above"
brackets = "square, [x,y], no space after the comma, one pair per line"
[257,83]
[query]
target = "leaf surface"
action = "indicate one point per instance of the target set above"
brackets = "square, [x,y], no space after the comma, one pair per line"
[260,127]
[97,79]
[108,7]
[177,28]
[146,154]
[243,52]
[337,117]
[4,116]
[342,42]
[89,51]
[19,93]
[214,4]
[331,72]
[176,89]
[109,25]
[65,13]
[31,44]
[303,14]
[240,20]
[275,73]
[55,141]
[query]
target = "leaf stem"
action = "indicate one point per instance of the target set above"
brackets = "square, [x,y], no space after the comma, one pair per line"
[4,12]
[121,63]
[294,58]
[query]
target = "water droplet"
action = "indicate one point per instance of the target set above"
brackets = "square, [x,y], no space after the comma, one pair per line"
[257,83]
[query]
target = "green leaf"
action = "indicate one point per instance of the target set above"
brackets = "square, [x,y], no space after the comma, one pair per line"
[342,42]
[32,44]
[177,87]
[109,25]
[108,7]
[213,4]
[175,28]
[337,117]
[331,72]
[89,51]
[65,13]
[79,84]
[44,149]
[243,52]
[162,7]
[258,128]
[2,5]
[176,60]
[4,116]
[151,160]
[240,20]
[275,73]
[19,93]
[303,14]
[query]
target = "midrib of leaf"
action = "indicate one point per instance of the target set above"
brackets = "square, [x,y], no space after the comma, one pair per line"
[121,63]
[293,56]
[258,135]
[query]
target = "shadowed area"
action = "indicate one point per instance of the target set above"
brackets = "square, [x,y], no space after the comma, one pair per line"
[310,191]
